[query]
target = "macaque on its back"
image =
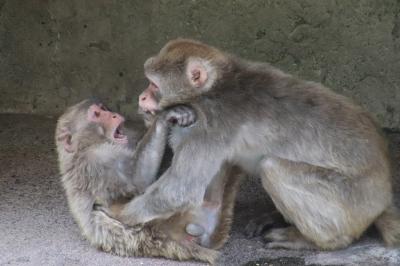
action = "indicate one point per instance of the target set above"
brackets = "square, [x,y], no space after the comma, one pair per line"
[100,172]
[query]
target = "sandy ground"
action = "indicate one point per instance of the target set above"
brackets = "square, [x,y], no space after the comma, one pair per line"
[37,229]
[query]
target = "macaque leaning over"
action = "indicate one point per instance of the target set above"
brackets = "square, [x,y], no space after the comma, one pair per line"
[101,171]
[321,158]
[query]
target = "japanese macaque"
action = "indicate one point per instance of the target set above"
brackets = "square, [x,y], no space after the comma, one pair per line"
[102,168]
[321,158]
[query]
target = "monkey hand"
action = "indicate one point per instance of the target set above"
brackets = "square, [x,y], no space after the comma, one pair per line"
[127,217]
[106,211]
[129,221]
[181,115]
[135,213]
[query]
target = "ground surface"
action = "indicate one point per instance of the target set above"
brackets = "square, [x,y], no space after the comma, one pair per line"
[37,229]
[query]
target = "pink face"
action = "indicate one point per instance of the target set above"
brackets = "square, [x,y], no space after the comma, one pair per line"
[112,122]
[196,75]
[148,100]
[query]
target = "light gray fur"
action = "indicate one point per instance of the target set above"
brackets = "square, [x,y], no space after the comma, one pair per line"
[100,172]
[321,158]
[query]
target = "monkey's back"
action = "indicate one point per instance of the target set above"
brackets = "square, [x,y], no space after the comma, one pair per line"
[293,116]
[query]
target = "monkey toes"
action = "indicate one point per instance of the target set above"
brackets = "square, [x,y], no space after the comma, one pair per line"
[262,223]
[279,235]
[257,226]
[287,238]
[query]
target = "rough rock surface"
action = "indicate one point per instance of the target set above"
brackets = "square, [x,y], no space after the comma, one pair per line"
[37,229]
[54,53]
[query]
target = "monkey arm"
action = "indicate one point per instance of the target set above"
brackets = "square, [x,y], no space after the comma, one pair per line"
[98,226]
[81,205]
[182,186]
[148,155]
[150,150]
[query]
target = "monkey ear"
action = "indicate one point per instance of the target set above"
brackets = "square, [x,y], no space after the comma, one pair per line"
[66,138]
[197,72]
[93,113]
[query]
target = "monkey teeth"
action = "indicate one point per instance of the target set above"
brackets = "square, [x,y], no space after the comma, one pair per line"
[119,135]
[152,112]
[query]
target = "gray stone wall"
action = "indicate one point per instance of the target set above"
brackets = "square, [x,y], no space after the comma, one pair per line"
[54,53]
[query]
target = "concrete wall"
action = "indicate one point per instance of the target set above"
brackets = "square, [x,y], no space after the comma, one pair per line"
[54,53]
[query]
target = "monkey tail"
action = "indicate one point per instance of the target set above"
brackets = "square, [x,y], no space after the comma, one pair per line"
[112,236]
[388,223]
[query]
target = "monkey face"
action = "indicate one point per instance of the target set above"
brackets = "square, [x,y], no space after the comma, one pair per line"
[111,122]
[149,98]
[182,70]
[88,118]
[164,83]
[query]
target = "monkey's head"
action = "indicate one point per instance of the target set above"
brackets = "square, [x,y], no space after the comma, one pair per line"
[182,70]
[88,121]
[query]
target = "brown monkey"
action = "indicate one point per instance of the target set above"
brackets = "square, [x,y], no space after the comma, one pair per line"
[100,171]
[321,158]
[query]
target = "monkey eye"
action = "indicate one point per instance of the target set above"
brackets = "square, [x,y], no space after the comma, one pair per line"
[96,114]
[102,107]
[154,86]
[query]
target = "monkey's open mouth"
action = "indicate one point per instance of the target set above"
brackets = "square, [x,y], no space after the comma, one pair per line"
[119,135]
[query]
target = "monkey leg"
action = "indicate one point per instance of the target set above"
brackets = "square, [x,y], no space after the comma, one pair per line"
[211,222]
[206,217]
[328,209]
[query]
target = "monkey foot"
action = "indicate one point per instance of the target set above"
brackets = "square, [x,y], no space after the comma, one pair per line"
[287,238]
[261,224]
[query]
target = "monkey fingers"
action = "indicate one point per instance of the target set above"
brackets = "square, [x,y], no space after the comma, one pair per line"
[135,212]
[111,213]
[181,115]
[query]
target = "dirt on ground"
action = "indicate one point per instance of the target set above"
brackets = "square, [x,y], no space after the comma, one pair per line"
[36,227]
